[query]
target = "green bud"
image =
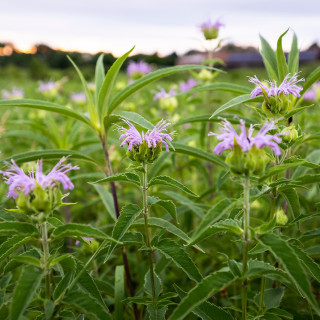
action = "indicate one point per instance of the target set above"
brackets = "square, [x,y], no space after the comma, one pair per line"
[252,162]
[169,103]
[281,218]
[142,153]
[210,33]
[290,134]
[276,105]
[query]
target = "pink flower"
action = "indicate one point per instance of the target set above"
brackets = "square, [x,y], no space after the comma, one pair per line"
[228,136]
[19,181]
[186,86]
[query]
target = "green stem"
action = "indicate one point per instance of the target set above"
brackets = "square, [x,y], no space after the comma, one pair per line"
[45,248]
[246,240]
[146,228]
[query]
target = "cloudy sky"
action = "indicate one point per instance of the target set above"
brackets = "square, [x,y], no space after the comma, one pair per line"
[153,26]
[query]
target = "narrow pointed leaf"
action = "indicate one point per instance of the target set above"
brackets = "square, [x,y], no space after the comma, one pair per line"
[119,293]
[99,76]
[21,228]
[12,244]
[107,199]
[127,177]
[281,59]
[313,77]
[269,59]
[293,58]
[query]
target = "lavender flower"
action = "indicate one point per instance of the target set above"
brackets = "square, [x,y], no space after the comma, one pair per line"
[133,138]
[138,69]
[186,86]
[87,239]
[313,93]
[78,97]
[18,180]
[162,94]
[210,30]
[48,86]
[15,93]
[229,136]
[288,86]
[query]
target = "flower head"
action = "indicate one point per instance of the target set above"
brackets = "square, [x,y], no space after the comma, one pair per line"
[138,69]
[18,180]
[210,29]
[15,93]
[162,94]
[186,86]
[288,86]
[48,86]
[229,136]
[78,97]
[133,138]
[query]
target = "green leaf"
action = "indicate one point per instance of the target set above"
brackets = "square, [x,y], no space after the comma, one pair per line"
[79,230]
[99,76]
[136,119]
[168,181]
[171,250]
[210,285]
[84,303]
[308,178]
[149,78]
[108,83]
[12,244]
[22,228]
[128,214]
[62,286]
[49,154]
[91,107]
[281,249]
[281,59]
[311,79]
[234,102]
[308,262]
[148,286]
[206,310]
[127,177]
[269,59]
[198,153]
[48,308]
[118,293]
[168,205]
[220,86]
[156,313]
[27,285]
[297,110]
[272,297]
[293,59]
[107,200]
[292,198]
[214,214]
[47,106]
[25,259]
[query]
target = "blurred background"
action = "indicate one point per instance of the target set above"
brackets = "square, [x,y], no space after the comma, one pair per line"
[37,34]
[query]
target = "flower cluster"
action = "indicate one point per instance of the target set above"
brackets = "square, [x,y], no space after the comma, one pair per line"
[133,138]
[229,137]
[18,180]
[136,70]
[48,86]
[288,86]
[186,86]
[210,30]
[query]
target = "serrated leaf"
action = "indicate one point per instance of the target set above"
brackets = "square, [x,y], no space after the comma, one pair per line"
[25,259]
[291,263]
[27,285]
[178,255]
[201,292]
[79,230]
[21,228]
[127,177]
[156,313]
[168,205]
[147,79]
[308,178]
[168,181]
[292,198]
[12,244]
[206,310]
[84,303]
[62,286]
[236,101]
[127,216]
[148,286]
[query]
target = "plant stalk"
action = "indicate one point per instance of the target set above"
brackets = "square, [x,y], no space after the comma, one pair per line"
[103,140]
[146,228]
[246,240]
[45,248]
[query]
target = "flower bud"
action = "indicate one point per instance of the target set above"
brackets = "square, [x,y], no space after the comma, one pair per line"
[169,103]
[142,153]
[290,134]
[281,218]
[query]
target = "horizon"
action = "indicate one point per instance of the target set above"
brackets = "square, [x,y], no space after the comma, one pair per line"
[153,27]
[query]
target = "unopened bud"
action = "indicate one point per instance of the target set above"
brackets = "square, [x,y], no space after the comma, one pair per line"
[281,218]
[144,153]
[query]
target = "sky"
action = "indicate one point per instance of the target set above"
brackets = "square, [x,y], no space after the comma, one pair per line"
[161,26]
